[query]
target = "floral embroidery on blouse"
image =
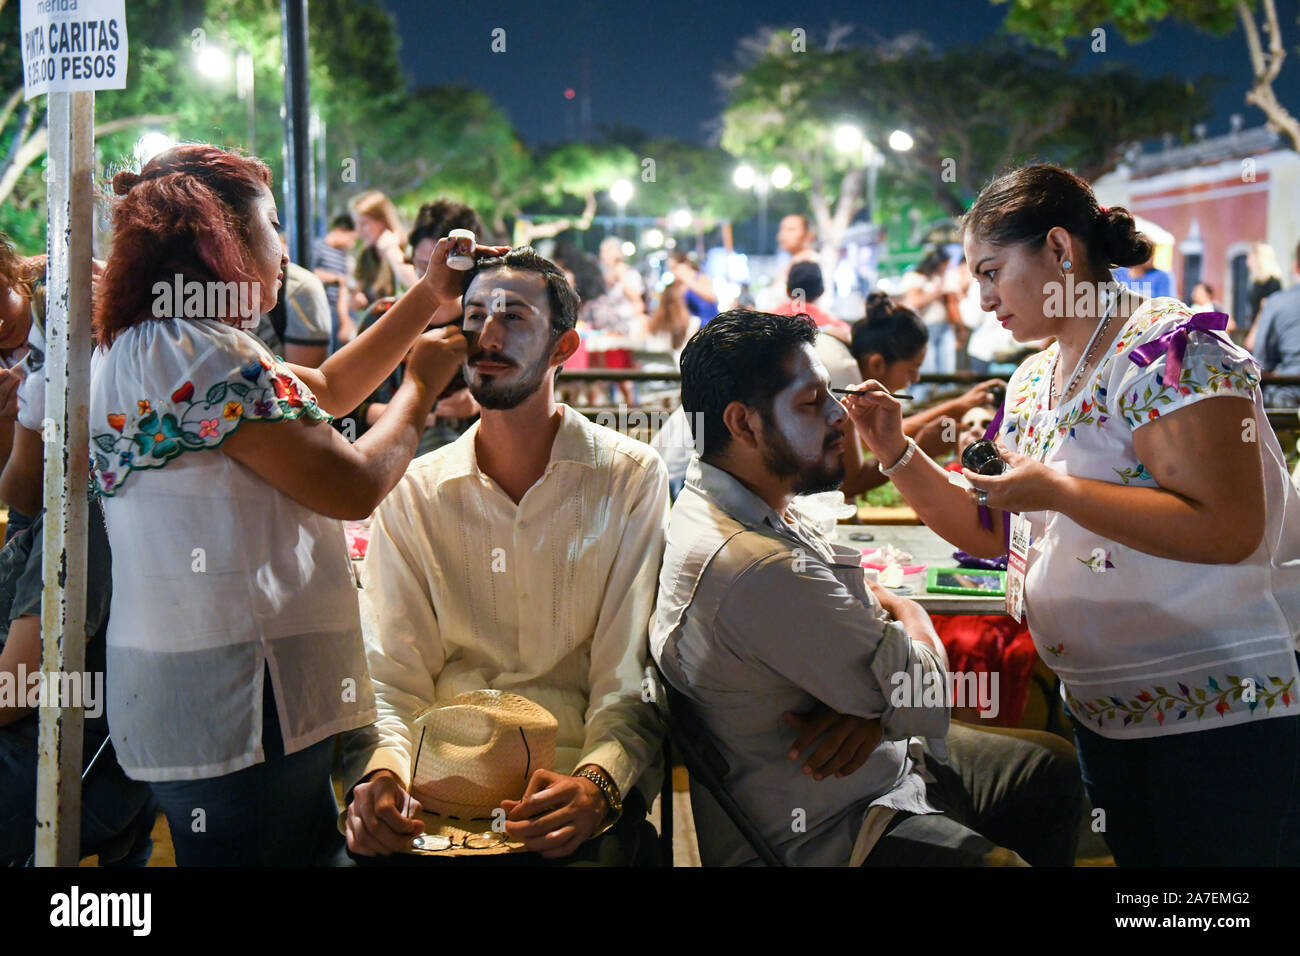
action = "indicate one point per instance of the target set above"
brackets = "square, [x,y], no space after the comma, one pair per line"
[1138,473]
[154,436]
[1058,650]
[1098,562]
[1160,702]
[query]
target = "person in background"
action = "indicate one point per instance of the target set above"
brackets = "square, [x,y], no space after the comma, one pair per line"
[926,292]
[697,288]
[625,284]
[1203,301]
[796,241]
[805,290]
[889,346]
[1277,341]
[298,326]
[793,672]
[1130,464]
[1265,279]
[522,557]
[382,269]
[1146,280]
[22,309]
[117,814]
[331,261]
[235,642]
[454,412]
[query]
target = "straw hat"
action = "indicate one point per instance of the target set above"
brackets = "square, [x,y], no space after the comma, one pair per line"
[478,749]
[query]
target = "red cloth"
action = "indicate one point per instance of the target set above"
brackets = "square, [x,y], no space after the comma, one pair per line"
[989,643]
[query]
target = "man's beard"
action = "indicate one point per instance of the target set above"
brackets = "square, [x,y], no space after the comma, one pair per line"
[810,479]
[488,393]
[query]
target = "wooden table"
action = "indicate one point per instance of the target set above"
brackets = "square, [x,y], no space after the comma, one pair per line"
[929,549]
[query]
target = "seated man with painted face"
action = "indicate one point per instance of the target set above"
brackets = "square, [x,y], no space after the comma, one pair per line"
[522,557]
[825,694]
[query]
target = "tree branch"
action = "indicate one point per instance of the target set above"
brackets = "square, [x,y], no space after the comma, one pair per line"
[37,145]
[1266,67]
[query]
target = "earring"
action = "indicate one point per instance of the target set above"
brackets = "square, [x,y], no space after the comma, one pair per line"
[1065,266]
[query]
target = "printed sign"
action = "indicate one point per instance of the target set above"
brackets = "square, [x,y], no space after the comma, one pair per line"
[71,45]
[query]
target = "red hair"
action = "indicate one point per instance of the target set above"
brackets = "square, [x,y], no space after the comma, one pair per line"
[185,212]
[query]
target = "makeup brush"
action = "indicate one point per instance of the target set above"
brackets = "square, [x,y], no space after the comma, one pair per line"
[860,391]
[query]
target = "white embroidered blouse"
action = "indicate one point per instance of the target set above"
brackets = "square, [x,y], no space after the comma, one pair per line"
[216,574]
[1146,645]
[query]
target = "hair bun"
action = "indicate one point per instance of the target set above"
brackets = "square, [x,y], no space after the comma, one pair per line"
[879,307]
[124,182]
[1121,242]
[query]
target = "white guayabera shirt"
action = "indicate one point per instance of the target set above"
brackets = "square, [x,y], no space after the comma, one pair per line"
[216,574]
[1147,645]
[550,599]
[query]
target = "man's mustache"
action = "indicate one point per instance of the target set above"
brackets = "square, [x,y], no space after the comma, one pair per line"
[495,357]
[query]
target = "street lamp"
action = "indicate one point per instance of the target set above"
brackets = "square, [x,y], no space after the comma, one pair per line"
[848,138]
[150,145]
[620,192]
[212,62]
[681,219]
[900,141]
[746,177]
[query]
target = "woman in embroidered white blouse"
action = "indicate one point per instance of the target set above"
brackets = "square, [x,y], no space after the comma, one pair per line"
[220,476]
[1163,570]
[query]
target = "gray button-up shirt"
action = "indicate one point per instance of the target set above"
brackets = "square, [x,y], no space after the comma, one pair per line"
[758,615]
[1277,345]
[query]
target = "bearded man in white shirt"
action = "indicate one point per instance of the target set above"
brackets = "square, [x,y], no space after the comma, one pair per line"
[522,557]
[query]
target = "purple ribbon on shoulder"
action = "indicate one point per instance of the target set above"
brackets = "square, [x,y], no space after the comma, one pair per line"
[1173,344]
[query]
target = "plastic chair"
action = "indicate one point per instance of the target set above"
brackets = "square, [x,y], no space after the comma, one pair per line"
[705,764]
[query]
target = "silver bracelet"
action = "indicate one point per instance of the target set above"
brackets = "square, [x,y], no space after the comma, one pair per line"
[901,463]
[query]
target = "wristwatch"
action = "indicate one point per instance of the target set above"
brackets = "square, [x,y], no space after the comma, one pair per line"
[608,790]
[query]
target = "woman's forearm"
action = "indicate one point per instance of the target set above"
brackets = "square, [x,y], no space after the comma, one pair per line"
[352,373]
[391,442]
[1157,522]
[946,509]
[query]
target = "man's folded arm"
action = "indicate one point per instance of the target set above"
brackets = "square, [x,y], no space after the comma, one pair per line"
[404,649]
[792,614]
[623,732]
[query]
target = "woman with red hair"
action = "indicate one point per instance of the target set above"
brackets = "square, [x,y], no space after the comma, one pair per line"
[220,480]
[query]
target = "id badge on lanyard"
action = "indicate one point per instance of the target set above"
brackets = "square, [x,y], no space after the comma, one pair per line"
[1017,562]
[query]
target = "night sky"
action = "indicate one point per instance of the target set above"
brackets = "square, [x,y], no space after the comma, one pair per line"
[652,63]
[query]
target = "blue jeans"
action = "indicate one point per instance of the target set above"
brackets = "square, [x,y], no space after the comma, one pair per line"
[115,811]
[1223,797]
[280,812]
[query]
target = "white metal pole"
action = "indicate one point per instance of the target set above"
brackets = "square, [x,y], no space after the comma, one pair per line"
[67,466]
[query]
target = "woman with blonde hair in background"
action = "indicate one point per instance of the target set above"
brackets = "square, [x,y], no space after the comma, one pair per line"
[382,269]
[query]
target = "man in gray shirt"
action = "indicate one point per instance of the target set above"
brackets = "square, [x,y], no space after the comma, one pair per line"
[1277,342]
[793,662]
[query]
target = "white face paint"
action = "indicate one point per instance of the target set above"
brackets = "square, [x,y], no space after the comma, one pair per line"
[803,440]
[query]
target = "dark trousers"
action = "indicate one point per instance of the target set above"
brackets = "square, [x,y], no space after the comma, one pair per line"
[1223,797]
[999,790]
[629,842]
[280,812]
[117,814]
